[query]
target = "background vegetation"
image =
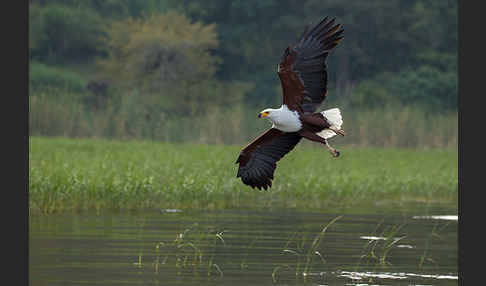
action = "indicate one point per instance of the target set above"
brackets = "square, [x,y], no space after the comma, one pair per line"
[200,70]
[82,174]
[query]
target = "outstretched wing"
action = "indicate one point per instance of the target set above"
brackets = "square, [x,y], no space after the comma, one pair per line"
[303,69]
[258,159]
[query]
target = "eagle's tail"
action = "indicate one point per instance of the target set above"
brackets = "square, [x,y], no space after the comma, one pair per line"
[334,116]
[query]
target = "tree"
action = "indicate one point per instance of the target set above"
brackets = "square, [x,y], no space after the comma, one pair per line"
[380,36]
[58,33]
[167,57]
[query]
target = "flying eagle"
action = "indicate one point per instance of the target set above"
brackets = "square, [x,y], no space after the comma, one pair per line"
[303,73]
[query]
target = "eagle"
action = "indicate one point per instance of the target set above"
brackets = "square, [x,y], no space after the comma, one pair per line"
[303,74]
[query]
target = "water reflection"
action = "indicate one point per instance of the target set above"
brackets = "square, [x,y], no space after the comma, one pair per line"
[443,217]
[235,247]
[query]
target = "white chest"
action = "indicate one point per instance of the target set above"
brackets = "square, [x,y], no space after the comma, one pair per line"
[287,120]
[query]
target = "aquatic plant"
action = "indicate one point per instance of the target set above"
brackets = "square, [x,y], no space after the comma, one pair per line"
[376,250]
[435,233]
[193,247]
[304,255]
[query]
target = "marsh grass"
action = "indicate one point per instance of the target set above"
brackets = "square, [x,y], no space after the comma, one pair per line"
[203,250]
[244,263]
[400,126]
[77,175]
[435,234]
[303,252]
[376,251]
[54,112]
[57,112]
[192,248]
[140,225]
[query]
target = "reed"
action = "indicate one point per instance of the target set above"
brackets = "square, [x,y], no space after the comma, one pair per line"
[209,251]
[193,248]
[81,174]
[303,253]
[436,234]
[54,112]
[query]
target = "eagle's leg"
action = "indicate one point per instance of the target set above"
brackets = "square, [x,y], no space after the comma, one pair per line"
[317,119]
[316,138]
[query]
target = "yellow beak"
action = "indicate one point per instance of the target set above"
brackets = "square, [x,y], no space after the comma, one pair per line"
[263,114]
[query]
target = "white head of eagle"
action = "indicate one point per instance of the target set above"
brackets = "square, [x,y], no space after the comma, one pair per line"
[282,118]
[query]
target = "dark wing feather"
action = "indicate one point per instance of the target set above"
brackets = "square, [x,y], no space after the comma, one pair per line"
[258,159]
[303,69]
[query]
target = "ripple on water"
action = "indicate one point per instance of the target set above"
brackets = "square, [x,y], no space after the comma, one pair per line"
[441,217]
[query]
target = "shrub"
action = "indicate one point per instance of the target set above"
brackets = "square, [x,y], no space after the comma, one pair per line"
[58,32]
[431,86]
[427,85]
[42,76]
[168,60]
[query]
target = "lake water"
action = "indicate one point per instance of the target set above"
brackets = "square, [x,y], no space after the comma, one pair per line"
[396,246]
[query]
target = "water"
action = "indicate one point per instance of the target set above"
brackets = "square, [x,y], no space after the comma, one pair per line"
[412,246]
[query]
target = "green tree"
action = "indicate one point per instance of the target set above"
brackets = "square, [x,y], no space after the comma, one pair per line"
[380,37]
[394,37]
[169,58]
[58,33]
[435,89]
[111,9]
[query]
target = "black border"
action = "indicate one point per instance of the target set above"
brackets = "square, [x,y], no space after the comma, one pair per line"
[461,107]
[18,36]
[471,111]
[460,17]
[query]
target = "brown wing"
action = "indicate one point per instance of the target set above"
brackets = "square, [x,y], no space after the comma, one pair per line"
[303,69]
[258,159]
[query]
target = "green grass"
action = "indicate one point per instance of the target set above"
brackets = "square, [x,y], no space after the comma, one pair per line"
[80,174]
